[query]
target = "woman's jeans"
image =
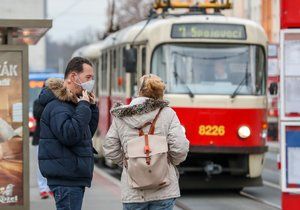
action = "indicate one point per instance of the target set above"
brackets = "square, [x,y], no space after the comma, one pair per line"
[68,198]
[167,204]
[42,181]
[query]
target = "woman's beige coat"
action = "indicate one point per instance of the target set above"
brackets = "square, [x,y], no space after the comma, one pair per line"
[129,117]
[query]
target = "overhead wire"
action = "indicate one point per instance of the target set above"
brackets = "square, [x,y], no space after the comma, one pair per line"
[65,11]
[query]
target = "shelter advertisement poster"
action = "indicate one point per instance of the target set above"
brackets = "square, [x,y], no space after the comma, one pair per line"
[11,129]
[290,74]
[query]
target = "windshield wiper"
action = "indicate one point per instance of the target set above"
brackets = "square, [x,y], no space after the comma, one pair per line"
[177,77]
[245,79]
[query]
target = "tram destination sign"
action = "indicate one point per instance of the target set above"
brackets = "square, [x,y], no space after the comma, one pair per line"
[208,31]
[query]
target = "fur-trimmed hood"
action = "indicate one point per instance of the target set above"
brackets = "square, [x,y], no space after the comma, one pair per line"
[140,111]
[138,106]
[55,89]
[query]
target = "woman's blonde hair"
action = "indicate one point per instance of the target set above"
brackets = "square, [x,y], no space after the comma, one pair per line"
[151,86]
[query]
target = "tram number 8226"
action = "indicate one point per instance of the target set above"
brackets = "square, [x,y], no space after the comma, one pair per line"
[211,130]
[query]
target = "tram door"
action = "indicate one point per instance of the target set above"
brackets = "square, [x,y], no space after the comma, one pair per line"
[104,93]
[97,75]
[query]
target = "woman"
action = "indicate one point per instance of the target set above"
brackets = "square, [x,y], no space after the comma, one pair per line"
[42,181]
[127,118]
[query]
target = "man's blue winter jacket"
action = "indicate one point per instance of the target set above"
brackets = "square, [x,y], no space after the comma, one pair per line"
[67,128]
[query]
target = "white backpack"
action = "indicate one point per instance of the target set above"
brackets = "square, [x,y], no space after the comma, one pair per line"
[146,159]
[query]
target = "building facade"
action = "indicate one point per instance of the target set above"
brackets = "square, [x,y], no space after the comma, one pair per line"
[264,12]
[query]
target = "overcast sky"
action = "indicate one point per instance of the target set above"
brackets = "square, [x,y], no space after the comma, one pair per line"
[71,17]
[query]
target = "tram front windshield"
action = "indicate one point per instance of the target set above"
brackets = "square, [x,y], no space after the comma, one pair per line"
[211,68]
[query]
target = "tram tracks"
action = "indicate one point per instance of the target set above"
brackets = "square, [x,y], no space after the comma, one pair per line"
[273,185]
[249,196]
[260,200]
[182,205]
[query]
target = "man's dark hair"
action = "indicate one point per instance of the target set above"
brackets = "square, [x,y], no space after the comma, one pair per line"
[76,65]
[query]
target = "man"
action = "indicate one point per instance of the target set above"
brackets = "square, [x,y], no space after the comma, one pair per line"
[220,73]
[68,122]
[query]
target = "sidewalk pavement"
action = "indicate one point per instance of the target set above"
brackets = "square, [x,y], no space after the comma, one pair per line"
[274,147]
[104,193]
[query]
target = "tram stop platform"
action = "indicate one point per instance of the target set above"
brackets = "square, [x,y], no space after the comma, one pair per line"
[104,194]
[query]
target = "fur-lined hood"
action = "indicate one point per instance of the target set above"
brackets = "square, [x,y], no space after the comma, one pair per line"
[138,106]
[140,111]
[55,89]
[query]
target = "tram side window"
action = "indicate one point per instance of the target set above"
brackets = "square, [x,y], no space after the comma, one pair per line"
[112,70]
[96,67]
[144,61]
[121,80]
[260,77]
[121,72]
[119,77]
[104,72]
[115,70]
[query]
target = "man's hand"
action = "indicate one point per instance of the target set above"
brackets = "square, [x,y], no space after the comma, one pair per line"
[92,98]
[85,96]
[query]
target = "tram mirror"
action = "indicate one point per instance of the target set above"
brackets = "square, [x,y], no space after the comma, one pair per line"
[273,88]
[130,60]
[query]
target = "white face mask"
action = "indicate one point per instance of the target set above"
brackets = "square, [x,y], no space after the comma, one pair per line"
[88,86]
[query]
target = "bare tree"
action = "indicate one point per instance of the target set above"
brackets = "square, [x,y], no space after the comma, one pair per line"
[127,12]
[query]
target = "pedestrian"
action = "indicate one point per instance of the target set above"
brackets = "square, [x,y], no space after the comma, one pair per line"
[68,123]
[146,185]
[42,181]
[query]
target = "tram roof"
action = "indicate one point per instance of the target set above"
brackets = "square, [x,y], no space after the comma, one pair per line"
[91,51]
[78,52]
[160,25]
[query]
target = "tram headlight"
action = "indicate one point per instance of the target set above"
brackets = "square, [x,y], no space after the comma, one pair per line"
[244,132]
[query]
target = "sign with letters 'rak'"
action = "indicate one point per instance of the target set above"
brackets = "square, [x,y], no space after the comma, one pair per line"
[13,125]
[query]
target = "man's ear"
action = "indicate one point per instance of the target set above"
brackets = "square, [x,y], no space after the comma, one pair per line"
[72,76]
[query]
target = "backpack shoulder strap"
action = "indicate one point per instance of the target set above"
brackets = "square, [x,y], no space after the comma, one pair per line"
[141,132]
[152,128]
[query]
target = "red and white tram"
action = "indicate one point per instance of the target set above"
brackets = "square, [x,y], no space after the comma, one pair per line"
[215,71]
